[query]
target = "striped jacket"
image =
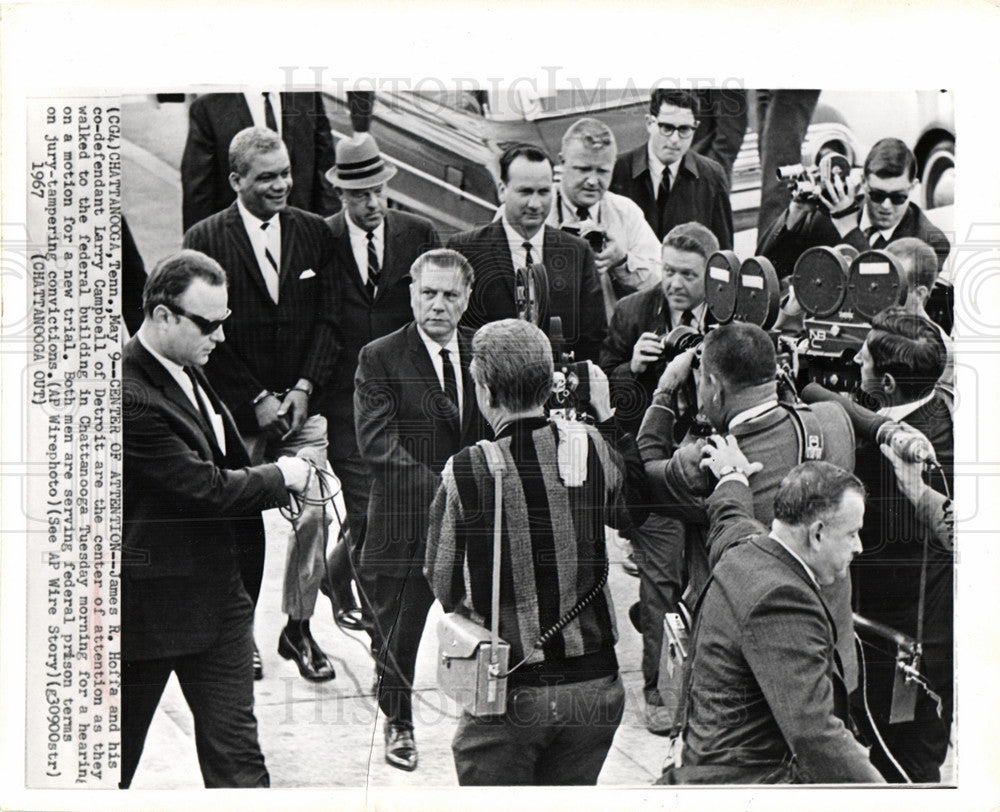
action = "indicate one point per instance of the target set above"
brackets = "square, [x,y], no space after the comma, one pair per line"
[553,547]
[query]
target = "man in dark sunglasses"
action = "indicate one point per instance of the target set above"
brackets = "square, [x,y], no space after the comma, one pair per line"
[870,214]
[670,182]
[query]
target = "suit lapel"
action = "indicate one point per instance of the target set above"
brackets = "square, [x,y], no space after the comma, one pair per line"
[172,391]
[345,254]
[501,248]
[393,235]
[470,408]
[238,238]
[424,367]
[289,246]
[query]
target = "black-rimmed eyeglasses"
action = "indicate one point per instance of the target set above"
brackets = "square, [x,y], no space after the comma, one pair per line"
[684,131]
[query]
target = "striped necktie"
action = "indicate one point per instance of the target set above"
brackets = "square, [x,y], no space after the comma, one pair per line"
[374,271]
[270,277]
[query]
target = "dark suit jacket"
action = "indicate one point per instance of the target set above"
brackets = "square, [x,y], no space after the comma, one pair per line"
[363,319]
[185,506]
[700,193]
[766,681]
[887,574]
[406,432]
[679,487]
[638,313]
[271,346]
[573,289]
[213,121]
[784,246]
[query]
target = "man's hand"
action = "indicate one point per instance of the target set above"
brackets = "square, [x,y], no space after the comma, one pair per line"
[295,471]
[646,350]
[723,456]
[839,192]
[268,417]
[600,393]
[677,371]
[294,411]
[612,255]
[909,475]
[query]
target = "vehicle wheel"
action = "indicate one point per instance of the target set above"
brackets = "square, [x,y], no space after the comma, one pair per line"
[939,176]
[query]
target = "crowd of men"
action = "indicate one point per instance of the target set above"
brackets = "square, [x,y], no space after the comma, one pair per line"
[306,325]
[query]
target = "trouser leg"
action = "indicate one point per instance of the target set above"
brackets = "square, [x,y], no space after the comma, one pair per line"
[143,682]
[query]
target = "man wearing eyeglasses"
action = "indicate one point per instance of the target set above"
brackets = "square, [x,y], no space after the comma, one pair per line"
[671,183]
[282,345]
[866,216]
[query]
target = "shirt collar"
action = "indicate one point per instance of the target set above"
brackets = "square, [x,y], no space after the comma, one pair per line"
[516,240]
[656,166]
[697,314]
[797,557]
[356,231]
[434,349]
[903,410]
[756,411]
[251,221]
[172,367]
[866,224]
[569,210]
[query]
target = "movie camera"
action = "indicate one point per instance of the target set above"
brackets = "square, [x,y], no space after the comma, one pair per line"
[595,236]
[806,183]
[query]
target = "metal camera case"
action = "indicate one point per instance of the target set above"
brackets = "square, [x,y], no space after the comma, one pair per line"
[463,669]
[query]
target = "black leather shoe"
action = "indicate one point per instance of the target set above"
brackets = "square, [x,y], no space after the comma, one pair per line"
[400,749]
[309,657]
[346,612]
[258,665]
[635,615]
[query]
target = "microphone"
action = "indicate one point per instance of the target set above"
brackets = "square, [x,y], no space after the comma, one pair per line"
[907,442]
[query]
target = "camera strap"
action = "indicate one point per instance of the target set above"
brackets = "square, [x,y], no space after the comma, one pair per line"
[808,430]
[497,466]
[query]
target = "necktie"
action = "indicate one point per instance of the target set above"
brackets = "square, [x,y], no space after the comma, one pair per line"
[582,213]
[523,297]
[197,396]
[662,193]
[879,242]
[687,318]
[374,271]
[269,120]
[450,383]
[270,276]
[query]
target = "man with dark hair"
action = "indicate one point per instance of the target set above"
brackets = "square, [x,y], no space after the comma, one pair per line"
[669,182]
[904,576]
[870,216]
[920,272]
[738,394]
[374,247]
[528,270]
[566,700]
[767,701]
[215,118]
[282,347]
[190,497]
[633,356]
[414,406]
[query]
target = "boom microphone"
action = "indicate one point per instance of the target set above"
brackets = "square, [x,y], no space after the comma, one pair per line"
[907,442]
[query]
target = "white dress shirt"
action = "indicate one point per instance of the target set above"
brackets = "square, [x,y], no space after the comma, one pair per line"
[255,101]
[184,382]
[656,167]
[359,245]
[434,351]
[260,239]
[516,242]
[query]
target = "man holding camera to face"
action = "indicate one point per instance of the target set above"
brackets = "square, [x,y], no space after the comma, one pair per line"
[737,393]
[625,247]
[868,213]
[634,355]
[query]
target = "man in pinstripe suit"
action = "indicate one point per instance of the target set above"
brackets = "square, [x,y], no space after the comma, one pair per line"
[281,346]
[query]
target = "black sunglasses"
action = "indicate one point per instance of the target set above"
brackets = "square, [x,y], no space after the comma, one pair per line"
[877,196]
[206,326]
[684,131]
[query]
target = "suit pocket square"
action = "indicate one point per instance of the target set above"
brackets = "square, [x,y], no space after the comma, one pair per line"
[308,273]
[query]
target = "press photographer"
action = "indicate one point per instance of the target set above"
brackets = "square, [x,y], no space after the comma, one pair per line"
[868,213]
[561,483]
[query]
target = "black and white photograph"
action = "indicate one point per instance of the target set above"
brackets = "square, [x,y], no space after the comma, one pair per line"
[408,431]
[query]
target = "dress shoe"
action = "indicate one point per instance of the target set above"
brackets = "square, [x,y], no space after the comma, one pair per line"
[258,665]
[630,566]
[346,612]
[400,749]
[635,615]
[309,657]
